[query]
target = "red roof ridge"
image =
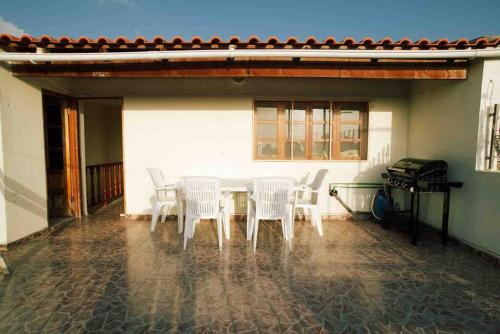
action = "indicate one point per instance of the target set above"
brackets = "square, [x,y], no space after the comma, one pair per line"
[25,40]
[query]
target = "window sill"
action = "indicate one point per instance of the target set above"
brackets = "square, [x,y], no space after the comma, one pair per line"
[488,171]
[351,160]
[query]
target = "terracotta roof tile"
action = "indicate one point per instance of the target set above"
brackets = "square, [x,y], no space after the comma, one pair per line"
[253,39]
[27,42]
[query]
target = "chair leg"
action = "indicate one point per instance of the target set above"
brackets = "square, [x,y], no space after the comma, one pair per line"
[226,223]
[291,223]
[164,216]
[256,229]
[219,230]
[312,216]
[249,219]
[155,214]
[284,230]
[180,212]
[193,227]
[317,216]
[250,227]
[186,232]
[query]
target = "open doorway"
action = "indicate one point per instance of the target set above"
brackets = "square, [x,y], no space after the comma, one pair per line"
[61,158]
[102,155]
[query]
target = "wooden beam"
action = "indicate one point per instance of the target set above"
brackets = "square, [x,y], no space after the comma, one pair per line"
[283,69]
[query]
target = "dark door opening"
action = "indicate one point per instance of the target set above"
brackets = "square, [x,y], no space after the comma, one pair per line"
[61,158]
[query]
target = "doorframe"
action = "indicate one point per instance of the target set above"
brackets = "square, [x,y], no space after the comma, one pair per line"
[71,152]
[83,176]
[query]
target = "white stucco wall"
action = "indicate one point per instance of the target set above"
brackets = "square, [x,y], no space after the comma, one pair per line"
[443,124]
[103,126]
[23,203]
[211,134]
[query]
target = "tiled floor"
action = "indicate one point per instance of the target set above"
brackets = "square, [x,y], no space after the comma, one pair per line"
[110,275]
[114,208]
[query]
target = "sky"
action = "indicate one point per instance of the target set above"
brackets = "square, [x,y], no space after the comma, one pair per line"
[415,19]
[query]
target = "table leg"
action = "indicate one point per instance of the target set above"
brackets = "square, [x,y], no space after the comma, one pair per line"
[227,225]
[446,215]
[180,211]
[249,218]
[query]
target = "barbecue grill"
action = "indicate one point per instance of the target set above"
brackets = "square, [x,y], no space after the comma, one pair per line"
[418,176]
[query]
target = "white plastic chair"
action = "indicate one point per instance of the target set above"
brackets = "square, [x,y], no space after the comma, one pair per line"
[162,201]
[203,201]
[272,198]
[311,202]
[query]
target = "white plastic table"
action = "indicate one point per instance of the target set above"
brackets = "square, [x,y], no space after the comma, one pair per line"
[228,186]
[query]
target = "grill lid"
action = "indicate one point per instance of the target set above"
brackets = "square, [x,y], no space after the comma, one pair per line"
[418,168]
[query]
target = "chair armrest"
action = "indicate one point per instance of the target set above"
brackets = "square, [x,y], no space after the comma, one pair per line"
[304,188]
[166,189]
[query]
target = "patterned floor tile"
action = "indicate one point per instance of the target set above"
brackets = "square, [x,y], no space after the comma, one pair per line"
[107,274]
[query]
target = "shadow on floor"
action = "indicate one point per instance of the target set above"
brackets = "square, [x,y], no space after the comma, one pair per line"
[108,274]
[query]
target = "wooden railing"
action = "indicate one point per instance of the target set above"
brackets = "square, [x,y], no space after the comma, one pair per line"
[104,183]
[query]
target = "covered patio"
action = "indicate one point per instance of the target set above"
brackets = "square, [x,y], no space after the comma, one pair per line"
[85,121]
[111,275]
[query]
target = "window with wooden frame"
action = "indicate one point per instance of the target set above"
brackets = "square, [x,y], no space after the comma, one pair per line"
[272,134]
[310,130]
[350,131]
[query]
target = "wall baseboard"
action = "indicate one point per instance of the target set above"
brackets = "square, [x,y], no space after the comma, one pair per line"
[5,247]
[242,216]
[483,253]
[44,231]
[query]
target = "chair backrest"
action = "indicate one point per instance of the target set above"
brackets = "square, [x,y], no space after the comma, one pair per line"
[272,195]
[202,196]
[318,179]
[157,177]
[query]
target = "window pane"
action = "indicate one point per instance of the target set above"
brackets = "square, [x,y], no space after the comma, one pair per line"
[287,128]
[349,150]
[320,150]
[299,112]
[350,131]
[266,150]
[321,113]
[267,113]
[299,150]
[321,131]
[347,115]
[299,131]
[288,151]
[299,137]
[266,130]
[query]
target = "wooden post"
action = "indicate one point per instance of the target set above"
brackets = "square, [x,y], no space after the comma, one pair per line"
[92,186]
[115,188]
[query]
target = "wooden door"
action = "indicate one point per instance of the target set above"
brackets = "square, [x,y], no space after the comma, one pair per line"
[62,156]
[72,157]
